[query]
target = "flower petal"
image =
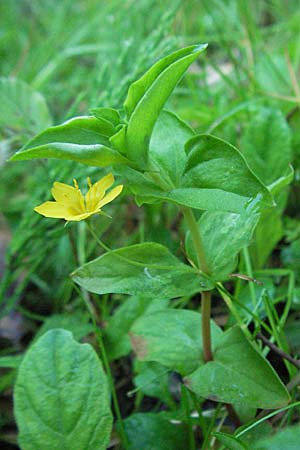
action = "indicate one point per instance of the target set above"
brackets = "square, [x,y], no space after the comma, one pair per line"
[68,195]
[97,192]
[110,196]
[54,210]
[78,217]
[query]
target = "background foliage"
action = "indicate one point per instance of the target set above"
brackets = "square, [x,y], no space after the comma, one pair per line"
[243,89]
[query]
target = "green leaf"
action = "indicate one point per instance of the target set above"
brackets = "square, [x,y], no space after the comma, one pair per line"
[77,323]
[146,191]
[109,114]
[238,374]
[7,380]
[277,186]
[153,379]
[290,255]
[215,164]
[216,178]
[61,396]
[117,342]
[82,139]
[266,144]
[268,232]
[272,74]
[150,431]
[172,338]
[245,413]
[147,267]
[166,151]
[261,431]
[231,442]
[204,199]
[245,305]
[22,109]
[287,439]
[11,362]
[223,235]
[147,96]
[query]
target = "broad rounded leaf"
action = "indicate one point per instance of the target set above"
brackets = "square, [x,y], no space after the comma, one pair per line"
[238,374]
[61,396]
[116,337]
[172,338]
[147,267]
[215,164]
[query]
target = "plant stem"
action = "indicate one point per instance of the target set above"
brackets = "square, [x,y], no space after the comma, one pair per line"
[205,317]
[278,350]
[205,295]
[91,230]
[197,240]
[250,274]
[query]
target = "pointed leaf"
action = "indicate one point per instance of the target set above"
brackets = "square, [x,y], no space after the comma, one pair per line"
[61,396]
[109,114]
[239,374]
[81,139]
[147,96]
[215,164]
[147,267]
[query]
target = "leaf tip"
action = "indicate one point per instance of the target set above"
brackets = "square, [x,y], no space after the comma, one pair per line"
[201,47]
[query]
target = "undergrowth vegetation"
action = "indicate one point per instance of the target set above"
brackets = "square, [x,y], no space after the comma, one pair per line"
[157,308]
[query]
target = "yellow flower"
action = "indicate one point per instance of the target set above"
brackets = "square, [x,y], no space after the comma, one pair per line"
[70,204]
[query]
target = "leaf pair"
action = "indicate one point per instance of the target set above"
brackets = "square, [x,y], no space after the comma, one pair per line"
[238,374]
[101,141]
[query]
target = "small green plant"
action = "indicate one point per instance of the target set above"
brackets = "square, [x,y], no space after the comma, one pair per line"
[61,386]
